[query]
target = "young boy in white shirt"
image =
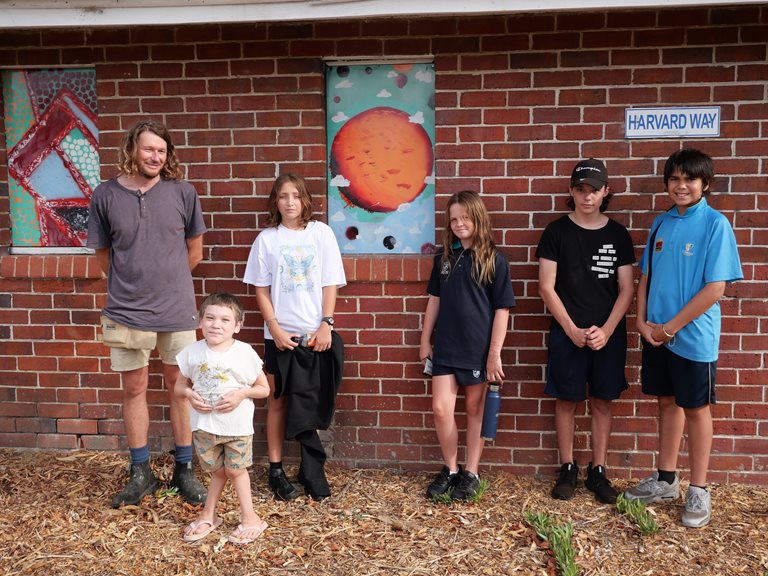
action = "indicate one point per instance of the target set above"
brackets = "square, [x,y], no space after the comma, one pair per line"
[220,376]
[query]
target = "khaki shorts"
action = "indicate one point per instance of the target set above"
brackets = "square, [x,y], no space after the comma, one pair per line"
[215,452]
[169,344]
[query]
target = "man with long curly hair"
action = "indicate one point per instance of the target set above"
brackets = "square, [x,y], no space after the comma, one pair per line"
[146,226]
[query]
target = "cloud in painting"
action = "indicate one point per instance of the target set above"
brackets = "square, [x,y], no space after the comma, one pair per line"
[339,180]
[429,179]
[391,74]
[339,117]
[417,118]
[339,217]
[424,76]
[384,94]
[344,84]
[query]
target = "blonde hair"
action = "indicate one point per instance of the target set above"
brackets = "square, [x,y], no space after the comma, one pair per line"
[126,162]
[274,218]
[484,263]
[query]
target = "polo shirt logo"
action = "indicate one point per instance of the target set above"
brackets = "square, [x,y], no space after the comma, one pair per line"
[659,245]
[446,268]
[688,250]
[476,373]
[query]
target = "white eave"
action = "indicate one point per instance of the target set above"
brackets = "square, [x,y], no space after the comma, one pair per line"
[97,13]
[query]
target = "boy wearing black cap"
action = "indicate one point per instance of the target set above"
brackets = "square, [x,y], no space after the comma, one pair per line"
[585,280]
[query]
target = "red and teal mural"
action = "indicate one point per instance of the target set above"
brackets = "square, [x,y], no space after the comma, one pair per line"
[53,154]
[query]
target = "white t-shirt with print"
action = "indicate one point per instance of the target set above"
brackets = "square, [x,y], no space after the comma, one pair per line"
[297,265]
[213,374]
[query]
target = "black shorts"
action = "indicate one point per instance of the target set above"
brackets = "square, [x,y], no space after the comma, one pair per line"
[270,357]
[464,376]
[664,373]
[570,368]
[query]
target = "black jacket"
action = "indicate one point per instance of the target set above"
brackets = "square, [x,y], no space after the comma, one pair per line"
[310,381]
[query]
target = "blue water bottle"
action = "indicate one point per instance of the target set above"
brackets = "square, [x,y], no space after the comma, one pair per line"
[491,411]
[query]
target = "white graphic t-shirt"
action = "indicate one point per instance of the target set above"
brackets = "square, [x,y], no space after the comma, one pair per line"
[213,374]
[296,264]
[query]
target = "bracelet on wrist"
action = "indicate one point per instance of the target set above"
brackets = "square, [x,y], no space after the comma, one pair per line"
[273,319]
[667,334]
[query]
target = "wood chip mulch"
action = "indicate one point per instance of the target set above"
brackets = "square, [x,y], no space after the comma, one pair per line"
[55,519]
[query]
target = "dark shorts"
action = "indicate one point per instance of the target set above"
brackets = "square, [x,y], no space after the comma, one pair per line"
[570,369]
[464,377]
[664,373]
[270,357]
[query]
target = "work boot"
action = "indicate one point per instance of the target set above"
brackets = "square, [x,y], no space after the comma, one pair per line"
[189,486]
[141,482]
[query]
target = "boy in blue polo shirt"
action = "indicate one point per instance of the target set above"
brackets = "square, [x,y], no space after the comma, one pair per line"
[689,258]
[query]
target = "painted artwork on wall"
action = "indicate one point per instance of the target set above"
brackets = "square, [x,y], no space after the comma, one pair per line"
[381,133]
[53,155]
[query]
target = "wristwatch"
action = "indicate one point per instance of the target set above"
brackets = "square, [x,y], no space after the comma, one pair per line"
[328,320]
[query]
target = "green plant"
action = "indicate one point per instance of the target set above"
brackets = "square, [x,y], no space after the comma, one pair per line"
[638,513]
[560,538]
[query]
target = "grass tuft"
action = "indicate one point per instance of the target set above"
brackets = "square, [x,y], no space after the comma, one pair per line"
[638,513]
[560,538]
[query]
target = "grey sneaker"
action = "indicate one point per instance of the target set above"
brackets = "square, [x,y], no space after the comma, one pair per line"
[698,507]
[650,490]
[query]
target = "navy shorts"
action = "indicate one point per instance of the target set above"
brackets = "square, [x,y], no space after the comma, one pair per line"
[464,377]
[664,373]
[570,369]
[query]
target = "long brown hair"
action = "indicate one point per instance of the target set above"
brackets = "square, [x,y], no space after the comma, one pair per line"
[274,218]
[483,246]
[126,156]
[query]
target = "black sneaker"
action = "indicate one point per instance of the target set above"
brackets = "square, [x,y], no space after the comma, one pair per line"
[141,482]
[281,486]
[566,482]
[466,486]
[597,482]
[443,482]
[189,486]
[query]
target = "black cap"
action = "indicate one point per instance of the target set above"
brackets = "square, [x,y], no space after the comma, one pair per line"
[590,172]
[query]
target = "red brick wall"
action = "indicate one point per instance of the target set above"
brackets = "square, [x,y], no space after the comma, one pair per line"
[519,100]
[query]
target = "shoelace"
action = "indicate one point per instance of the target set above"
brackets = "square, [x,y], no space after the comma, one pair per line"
[696,503]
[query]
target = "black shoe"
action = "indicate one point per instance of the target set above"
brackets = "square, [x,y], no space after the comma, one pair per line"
[189,486]
[467,485]
[566,482]
[141,483]
[597,482]
[443,482]
[280,486]
[317,490]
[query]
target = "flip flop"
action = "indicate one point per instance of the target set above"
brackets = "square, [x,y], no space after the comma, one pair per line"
[194,535]
[235,537]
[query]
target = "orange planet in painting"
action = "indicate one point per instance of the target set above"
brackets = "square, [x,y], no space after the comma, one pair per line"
[385,158]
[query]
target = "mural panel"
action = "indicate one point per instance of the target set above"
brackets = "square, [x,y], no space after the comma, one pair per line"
[381,133]
[53,154]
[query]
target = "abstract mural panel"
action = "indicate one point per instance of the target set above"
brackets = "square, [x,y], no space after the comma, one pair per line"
[53,154]
[381,132]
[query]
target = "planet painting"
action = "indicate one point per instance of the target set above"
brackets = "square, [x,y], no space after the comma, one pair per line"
[381,185]
[385,157]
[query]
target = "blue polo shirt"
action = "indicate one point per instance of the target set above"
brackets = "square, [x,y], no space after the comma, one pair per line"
[690,251]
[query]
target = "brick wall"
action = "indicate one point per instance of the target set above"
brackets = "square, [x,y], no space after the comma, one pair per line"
[519,100]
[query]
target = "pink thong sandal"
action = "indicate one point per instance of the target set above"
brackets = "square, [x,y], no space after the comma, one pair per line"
[237,538]
[193,535]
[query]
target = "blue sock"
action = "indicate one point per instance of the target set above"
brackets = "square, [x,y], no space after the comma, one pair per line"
[184,454]
[140,455]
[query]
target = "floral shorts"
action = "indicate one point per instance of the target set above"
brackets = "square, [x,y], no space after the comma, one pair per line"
[215,452]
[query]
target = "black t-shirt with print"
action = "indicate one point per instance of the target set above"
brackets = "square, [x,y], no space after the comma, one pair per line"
[587,266]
